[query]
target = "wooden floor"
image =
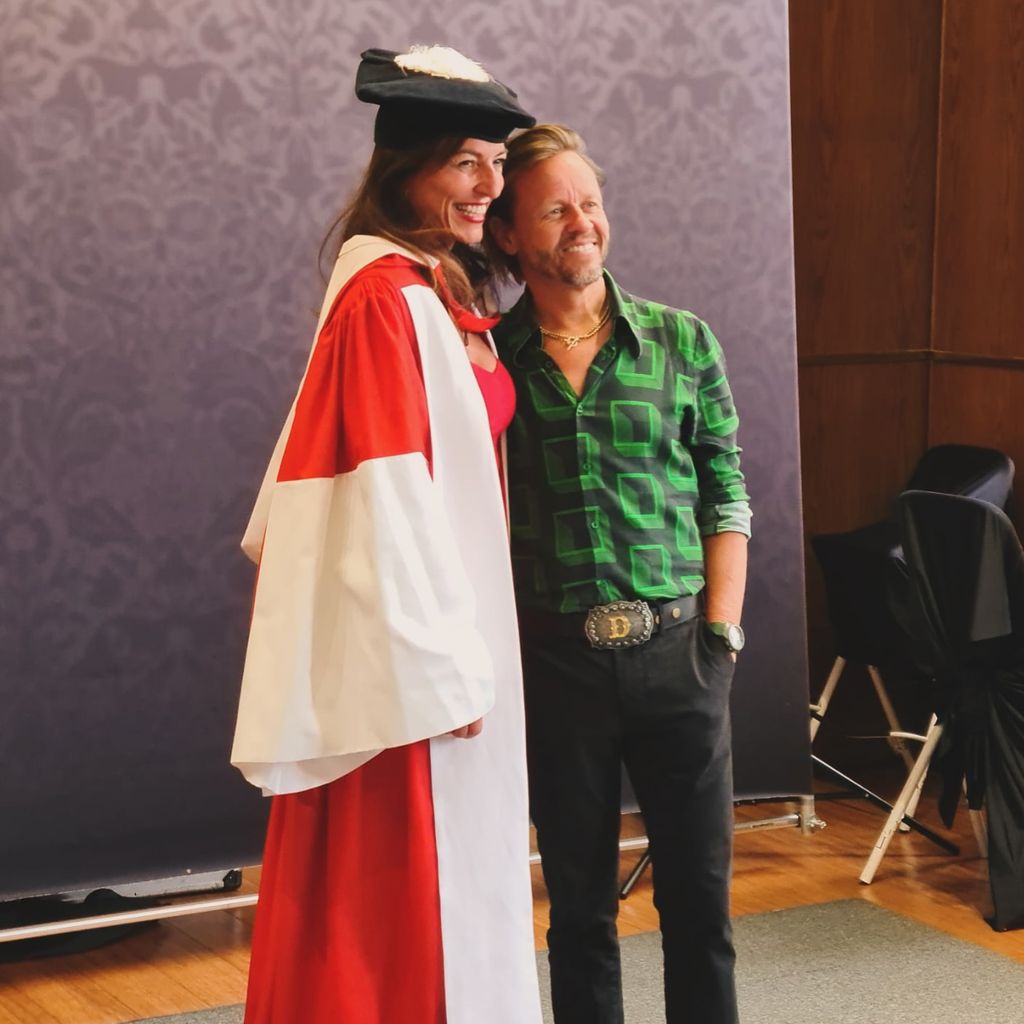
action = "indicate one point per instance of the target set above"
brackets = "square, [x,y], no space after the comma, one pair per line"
[200,961]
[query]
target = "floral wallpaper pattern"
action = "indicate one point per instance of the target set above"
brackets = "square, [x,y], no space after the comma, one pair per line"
[166,174]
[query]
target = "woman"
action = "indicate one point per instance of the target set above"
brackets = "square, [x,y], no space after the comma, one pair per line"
[381,696]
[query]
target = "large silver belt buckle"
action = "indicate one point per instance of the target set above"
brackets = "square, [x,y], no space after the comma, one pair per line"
[619,624]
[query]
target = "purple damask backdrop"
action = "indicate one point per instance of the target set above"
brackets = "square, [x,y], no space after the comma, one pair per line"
[166,174]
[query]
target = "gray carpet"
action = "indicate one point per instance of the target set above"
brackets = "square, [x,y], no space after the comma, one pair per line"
[848,962]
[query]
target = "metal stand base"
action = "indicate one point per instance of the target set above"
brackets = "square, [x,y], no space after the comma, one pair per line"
[79,924]
[805,820]
[180,885]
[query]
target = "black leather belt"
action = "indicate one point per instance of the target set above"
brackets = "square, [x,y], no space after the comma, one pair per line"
[615,625]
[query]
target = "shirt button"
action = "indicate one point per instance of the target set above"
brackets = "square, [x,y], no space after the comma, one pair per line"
[585,466]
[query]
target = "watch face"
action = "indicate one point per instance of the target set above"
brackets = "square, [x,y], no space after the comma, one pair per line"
[734,638]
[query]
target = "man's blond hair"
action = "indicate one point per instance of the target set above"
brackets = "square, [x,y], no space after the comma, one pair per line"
[526,150]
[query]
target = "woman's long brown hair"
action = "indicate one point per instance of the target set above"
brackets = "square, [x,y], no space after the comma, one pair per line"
[380,207]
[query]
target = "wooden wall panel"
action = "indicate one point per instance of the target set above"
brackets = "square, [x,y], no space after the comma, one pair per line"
[864,83]
[979,279]
[863,428]
[983,405]
[908,167]
[864,80]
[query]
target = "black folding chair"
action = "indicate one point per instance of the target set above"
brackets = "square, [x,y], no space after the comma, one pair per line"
[863,572]
[865,586]
[965,614]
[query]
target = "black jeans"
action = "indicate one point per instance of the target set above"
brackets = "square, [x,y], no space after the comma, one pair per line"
[663,710]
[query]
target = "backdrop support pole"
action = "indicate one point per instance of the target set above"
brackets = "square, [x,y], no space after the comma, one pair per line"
[858,790]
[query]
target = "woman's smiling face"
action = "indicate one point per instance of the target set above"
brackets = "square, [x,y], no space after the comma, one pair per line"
[456,195]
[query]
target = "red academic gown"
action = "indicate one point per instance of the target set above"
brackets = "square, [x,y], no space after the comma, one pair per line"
[395,884]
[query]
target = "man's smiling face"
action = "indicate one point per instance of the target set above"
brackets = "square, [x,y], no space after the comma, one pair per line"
[559,231]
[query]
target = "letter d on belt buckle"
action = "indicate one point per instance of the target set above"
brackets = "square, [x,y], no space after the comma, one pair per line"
[619,624]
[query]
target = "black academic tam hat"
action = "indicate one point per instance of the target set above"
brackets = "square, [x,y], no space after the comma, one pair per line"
[431,92]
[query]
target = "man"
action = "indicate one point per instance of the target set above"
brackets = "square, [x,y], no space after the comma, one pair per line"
[629,523]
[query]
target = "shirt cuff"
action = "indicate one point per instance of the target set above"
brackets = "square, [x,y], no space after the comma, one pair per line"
[729,517]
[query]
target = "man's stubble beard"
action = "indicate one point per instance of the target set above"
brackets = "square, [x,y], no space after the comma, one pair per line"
[547,267]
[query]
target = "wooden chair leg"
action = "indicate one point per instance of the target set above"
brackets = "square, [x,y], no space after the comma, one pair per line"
[818,710]
[899,809]
[979,825]
[891,717]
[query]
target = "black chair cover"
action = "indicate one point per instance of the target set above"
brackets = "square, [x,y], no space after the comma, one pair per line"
[966,608]
[864,570]
[983,473]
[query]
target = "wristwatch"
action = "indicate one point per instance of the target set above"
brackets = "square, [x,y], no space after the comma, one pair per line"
[731,634]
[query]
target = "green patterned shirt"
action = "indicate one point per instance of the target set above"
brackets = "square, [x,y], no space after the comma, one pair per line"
[610,493]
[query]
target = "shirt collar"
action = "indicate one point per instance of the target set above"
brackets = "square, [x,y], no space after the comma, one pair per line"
[519,325]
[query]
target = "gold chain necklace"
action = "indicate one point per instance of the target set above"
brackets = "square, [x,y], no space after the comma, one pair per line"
[570,341]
